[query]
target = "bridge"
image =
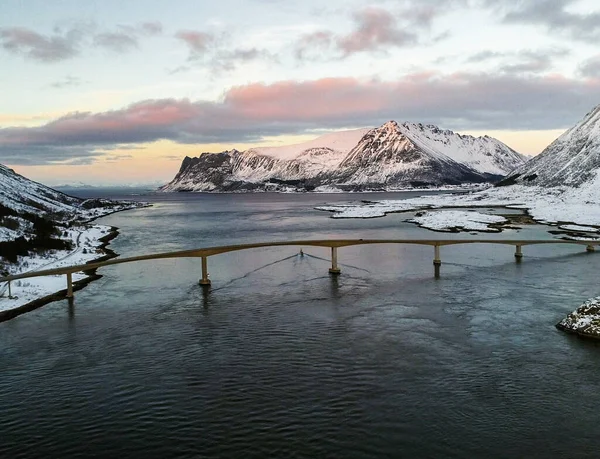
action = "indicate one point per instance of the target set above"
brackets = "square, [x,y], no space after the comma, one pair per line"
[332,244]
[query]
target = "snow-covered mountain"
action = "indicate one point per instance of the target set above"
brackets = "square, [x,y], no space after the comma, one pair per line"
[24,202]
[571,160]
[342,141]
[393,155]
[21,194]
[413,154]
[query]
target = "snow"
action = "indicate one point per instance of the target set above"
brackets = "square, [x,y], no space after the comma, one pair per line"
[369,210]
[483,154]
[580,206]
[587,229]
[388,156]
[341,141]
[85,242]
[585,320]
[448,220]
[29,200]
[571,160]
[327,189]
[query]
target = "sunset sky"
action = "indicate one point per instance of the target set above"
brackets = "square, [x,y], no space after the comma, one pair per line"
[118,92]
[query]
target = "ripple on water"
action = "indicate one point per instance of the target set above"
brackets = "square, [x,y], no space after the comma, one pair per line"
[279,359]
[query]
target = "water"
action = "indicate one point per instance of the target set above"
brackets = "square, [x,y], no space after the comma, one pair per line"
[279,359]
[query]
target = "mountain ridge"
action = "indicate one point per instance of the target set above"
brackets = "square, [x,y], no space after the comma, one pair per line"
[392,155]
[573,159]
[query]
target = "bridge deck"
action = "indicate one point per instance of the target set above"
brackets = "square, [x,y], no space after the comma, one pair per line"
[334,244]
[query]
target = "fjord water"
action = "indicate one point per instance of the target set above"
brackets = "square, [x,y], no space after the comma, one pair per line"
[280,359]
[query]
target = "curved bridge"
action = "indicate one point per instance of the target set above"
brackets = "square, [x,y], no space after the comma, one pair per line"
[333,244]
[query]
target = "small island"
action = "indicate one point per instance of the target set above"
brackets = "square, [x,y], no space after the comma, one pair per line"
[584,321]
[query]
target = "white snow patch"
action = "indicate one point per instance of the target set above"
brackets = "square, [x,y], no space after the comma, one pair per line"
[368,210]
[342,141]
[586,229]
[580,206]
[85,242]
[447,220]
[327,189]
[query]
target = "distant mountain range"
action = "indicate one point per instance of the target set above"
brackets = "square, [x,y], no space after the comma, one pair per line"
[390,156]
[572,160]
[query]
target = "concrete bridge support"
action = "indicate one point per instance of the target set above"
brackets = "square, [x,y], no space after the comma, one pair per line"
[334,266]
[437,262]
[205,281]
[518,253]
[69,285]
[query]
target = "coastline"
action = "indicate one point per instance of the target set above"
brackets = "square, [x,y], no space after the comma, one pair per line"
[90,276]
[80,280]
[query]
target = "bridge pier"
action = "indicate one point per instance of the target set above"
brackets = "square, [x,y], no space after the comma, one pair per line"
[590,248]
[437,262]
[334,266]
[205,281]
[9,291]
[69,285]
[518,253]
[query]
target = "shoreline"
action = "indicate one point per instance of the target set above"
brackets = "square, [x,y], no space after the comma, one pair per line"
[90,275]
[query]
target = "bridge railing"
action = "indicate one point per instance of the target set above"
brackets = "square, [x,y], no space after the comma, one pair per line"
[333,244]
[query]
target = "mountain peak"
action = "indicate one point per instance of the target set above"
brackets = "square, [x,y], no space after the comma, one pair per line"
[572,160]
[390,155]
[390,125]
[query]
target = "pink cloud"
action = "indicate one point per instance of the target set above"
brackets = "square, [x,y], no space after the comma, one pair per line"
[376,27]
[197,42]
[246,113]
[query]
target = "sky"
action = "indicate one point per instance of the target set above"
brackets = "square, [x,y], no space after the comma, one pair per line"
[113,92]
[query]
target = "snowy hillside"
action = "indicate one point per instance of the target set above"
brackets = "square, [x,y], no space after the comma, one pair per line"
[21,194]
[561,186]
[571,160]
[43,228]
[389,156]
[22,199]
[484,154]
[342,141]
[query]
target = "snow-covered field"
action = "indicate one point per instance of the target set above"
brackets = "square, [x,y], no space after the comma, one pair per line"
[579,206]
[451,220]
[85,248]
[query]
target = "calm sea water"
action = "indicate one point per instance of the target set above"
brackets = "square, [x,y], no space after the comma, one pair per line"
[280,359]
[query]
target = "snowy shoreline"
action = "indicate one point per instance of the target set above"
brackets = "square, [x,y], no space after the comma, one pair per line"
[569,209]
[90,244]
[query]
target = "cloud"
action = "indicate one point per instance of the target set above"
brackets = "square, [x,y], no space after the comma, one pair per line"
[230,60]
[197,42]
[523,61]
[473,101]
[63,45]
[116,158]
[66,82]
[590,68]
[171,157]
[315,41]
[555,16]
[151,28]
[42,48]
[375,27]
[118,42]
[33,155]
